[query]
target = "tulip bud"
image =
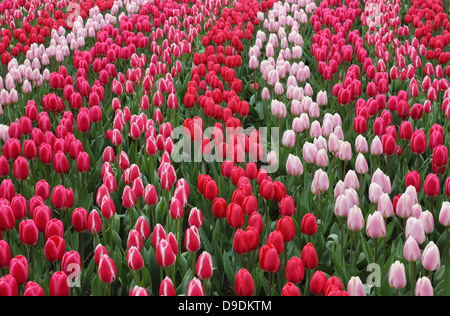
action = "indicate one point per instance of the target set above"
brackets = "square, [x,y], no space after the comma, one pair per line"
[355,287]
[195,288]
[107,271]
[309,257]
[244,284]
[18,269]
[165,256]
[166,288]
[424,287]
[33,289]
[375,227]
[317,285]
[268,259]
[397,276]
[192,239]
[94,222]
[431,259]
[59,284]
[411,250]
[295,270]
[204,267]
[28,232]
[55,248]
[134,259]
[309,224]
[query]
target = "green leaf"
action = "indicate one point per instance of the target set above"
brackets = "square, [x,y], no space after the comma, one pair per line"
[97,286]
[228,268]
[367,250]
[88,275]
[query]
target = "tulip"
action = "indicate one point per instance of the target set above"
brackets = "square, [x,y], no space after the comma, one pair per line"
[317,285]
[42,189]
[375,227]
[309,224]
[295,271]
[138,291]
[55,248]
[431,259]
[94,222]
[432,186]
[21,168]
[18,269]
[192,239]
[424,287]
[28,232]
[33,289]
[268,259]
[195,288]
[244,284]
[59,284]
[309,257]
[355,220]
[397,276]
[204,267]
[166,288]
[415,229]
[165,256]
[355,287]
[107,271]
[134,259]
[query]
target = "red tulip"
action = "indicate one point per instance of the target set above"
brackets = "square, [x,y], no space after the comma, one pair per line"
[8,286]
[33,289]
[204,267]
[60,163]
[431,185]
[42,189]
[55,248]
[107,271]
[318,281]
[21,168]
[134,259]
[19,206]
[244,284]
[54,227]
[295,270]
[18,269]
[192,239]
[165,256]
[268,259]
[80,219]
[5,254]
[418,142]
[28,232]
[83,162]
[309,224]
[287,227]
[309,257]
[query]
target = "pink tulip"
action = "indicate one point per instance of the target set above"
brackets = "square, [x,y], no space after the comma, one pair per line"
[424,287]
[355,287]
[355,219]
[444,214]
[294,166]
[411,250]
[375,227]
[431,259]
[397,276]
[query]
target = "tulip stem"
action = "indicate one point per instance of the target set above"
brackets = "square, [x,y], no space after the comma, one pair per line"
[413,278]
[81,249]
[138,280]
[356,251]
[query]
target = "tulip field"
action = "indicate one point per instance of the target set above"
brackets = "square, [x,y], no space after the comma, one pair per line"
[224,148]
